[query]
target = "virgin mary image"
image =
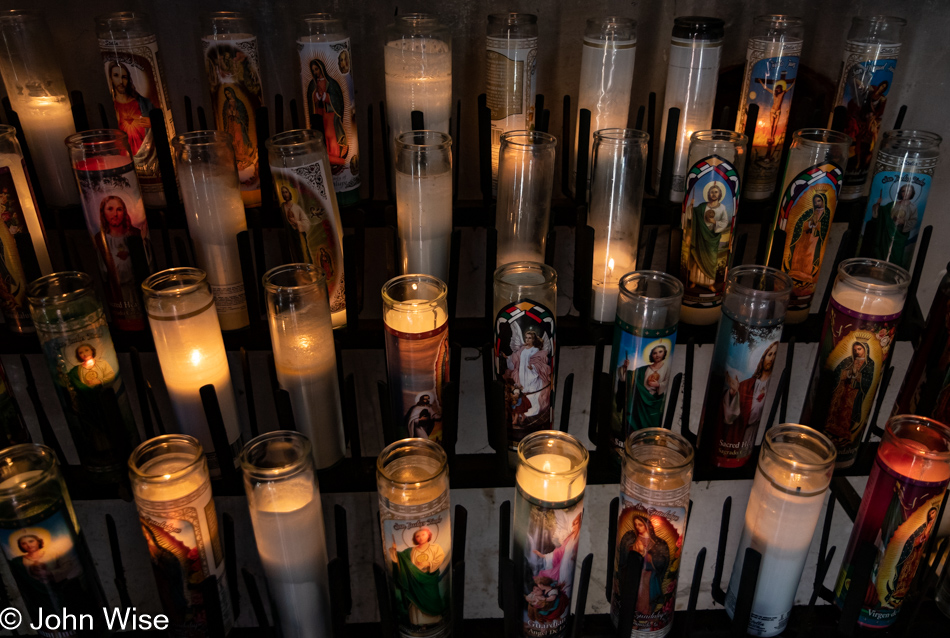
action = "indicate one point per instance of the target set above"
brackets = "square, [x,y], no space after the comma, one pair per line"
[854,378]
[326,107]
[803,257]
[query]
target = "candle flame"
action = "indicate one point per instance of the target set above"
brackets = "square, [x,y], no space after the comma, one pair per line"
[610,264]
[195,357]
[89,363]
[415,286]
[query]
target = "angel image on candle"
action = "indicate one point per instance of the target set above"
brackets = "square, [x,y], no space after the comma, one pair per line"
[549,593]
[528,376]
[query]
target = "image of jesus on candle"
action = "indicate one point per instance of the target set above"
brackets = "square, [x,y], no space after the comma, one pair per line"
[297,219]
[646,397]
[743,402]
[805,244]
[131,107]
[326,107]
[706,224]
[116,240]
[418,572]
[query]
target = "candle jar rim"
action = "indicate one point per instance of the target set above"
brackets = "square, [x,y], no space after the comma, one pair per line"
[435,282]
[434,141]
[174,282]
[20,15]
[799,432]
[937,427]
[719,135]
[664,279]
[512,18]
[405,448]
[208,137]
[528,139]
[732,281]
[416,18]
[784,19]
[269,280]
[618,136]
[254,469]
[76,284]
[648,435]
[819,136]
[879,19]
[165,441]
[96,136]
[228,15]
[847,270]
[547,272]
[41,455]
[563,437]
[923,139]
[294,141]
[122,19]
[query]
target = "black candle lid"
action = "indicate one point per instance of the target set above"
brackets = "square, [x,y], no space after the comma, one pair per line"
[698,28]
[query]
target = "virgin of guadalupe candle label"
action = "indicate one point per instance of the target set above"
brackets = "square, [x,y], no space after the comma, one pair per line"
[709,213]
[418,365]
[233,70]
[417,541]
[524,360]
[546,544]
[185,548]
[330,95]
[742,369]
[805,213]
[13,277]
[315,236]
[895,206]
[650,529]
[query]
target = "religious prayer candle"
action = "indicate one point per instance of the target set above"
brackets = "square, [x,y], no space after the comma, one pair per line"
[172,490]
[607,58]
[12,426]
[708,220]
[691,87]
[898,515]
[301,171]
[870,60]
[525,185]
[415,317]
[743,364]
[191,352]
[525,345]
[412,479]
[900,188]
[302,337]
[84,367]
[424,202]
[215,212]
[618,169]
[233,67]
[641,358]
[651,528]
[791,478]
[44,547]
[813,174]
[19,191]
[37,92]
[859,332]
[771,70]
[284,499]
[329,94]
[136,81]
[510,77]
[549,508]
[115,216]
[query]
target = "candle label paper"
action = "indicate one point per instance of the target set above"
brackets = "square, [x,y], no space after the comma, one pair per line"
[417,540]
[926,387]
[115,217]
[640,364]
[546,542]
[805,214]
[52,567]
[136,81]
[418,365]
[233,69]
[863,91]
[742,369]
[855,350]
[525,343]
[769,83]
[898,521]
[13,277]
[185,548]
[326,75]
[651,529]
[313,223]
[709,215]
[895,210]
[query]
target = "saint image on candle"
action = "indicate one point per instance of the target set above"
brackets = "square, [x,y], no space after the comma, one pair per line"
[131,107]
[894,222]
[116,232]
[854,381]
[423,418]
[527,370]
[806,242]
[552,539]
[417,571]
[743,402]
[326,108]
[865,98]
[707,222]
[778,111]
[645,396]
[655,539]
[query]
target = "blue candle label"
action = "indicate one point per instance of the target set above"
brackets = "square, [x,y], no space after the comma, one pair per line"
[894,214]
[418,366]
[13,277]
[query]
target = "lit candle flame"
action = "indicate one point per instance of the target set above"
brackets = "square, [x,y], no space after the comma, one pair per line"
[89,363]
[610,264]
[195,357]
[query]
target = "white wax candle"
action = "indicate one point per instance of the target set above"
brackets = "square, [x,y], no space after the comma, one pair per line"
[550,489]
[612,260]
[415,322]
[28,205]
[868,303]
[418,78]
[47,121]
[513,251]
[424,219]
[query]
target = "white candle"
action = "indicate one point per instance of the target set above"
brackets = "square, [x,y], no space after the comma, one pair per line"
[47,121]
[28,205]
[611,262]
[548,488]
[424,219]
[418,78]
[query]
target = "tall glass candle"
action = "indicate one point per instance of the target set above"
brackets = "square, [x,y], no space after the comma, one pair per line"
[19,191]
[302,337]
[233,67]
[15,271]
[616,194]
[12,426]
[898,514]
[691,87]
[607,58]
[525,185]
[82,362]
[549,509]
[870,59]
[415,317]
[329,93]
[813,174]
[525,344]
[859,332]
[214,209]
[115,216]
[191,353]
[900,189]
[37,92]
[412,479]
[641,359]
[651,527]
[791,478]
[743,364]
[44,547]
[713,185]
[771,69]
[172,490]
[287,516]
[510,76]
[136,80]
[301,171]
[424,202]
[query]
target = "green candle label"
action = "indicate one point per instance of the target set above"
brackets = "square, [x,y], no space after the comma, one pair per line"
[893,218]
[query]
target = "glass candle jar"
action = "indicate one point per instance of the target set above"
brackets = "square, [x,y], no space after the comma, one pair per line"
[18,269]
[525,184]
[302,337]
[26,219]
